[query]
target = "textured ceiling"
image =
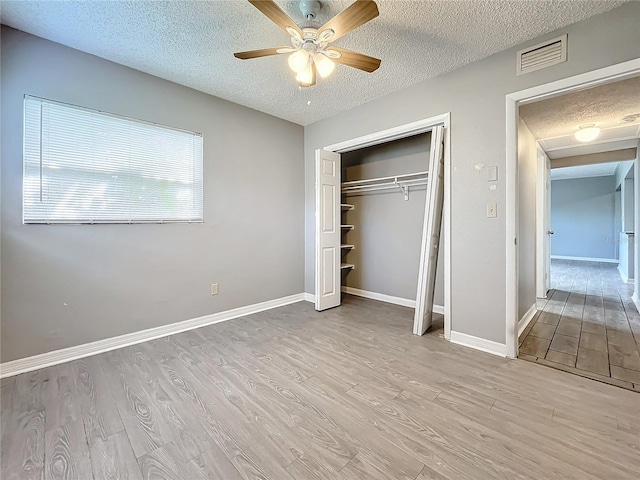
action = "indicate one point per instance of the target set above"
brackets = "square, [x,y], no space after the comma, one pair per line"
[604,106]
[192,43]
[554,121]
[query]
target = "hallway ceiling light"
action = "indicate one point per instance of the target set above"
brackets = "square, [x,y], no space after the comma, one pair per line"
[587,133]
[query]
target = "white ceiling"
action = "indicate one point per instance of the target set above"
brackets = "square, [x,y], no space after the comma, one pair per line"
[554,121]
[605,106]
[613,138]
[584,171]
[192,43]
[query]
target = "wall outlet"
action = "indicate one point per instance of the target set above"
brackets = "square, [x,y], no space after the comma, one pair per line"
[214,289]
[492,210]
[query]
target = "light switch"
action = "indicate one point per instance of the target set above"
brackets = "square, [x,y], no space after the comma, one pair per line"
[492,210]
[492,173]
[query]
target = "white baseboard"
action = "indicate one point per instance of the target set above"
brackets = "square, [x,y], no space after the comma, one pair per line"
[624,276]
[48,359]
[636,300]
[309,297]
[585,259]
[526,319]
[478,343]
[381,297]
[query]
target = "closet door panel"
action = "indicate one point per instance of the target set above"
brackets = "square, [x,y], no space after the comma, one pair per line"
[430,235]
[328,229]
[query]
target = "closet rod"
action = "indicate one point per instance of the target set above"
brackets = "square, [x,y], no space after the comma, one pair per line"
[402,185]
[395,179]
[385,186]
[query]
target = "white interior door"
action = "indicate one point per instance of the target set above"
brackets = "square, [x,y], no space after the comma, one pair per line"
[547,226]
[328,229]
[543,225]
[430,234]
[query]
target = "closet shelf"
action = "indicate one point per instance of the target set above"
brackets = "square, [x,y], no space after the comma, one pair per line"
[347,227]
[346,206]
[347,247]
[403,182]
[349,266]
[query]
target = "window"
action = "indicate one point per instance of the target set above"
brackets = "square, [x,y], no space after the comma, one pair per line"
[85,166]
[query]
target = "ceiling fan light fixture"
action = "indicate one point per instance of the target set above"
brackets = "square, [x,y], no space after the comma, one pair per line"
[587,133]
[299,60]
[324,65]
[308,55]
[305,76]
[326,35]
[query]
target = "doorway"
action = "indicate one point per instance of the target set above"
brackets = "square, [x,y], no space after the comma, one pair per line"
[515,176]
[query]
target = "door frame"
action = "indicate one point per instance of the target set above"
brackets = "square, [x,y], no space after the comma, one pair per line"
[590,79]
[408,130]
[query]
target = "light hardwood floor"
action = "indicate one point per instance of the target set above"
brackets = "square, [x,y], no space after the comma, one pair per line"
[588,326]
[294,394]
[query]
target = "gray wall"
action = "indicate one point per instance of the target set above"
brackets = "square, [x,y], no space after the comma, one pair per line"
[388,229]
[475,96]
[583,217]
[527,170]
[64,285]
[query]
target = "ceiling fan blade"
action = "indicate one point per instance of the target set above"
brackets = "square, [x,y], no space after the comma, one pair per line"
[355,60]
[350,18]
[314,74]
[265,52]
[276,15]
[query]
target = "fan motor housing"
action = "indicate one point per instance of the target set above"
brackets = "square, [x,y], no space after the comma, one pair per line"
[310,8]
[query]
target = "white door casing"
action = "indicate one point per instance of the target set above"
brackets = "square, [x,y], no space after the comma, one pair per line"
[430,234]
[328,229]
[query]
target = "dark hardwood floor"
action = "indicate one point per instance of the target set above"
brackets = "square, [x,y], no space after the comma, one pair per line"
[291,393]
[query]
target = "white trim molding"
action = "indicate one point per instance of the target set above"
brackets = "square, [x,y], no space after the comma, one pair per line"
[593,78]
[585,259]
[309,297]
[391,134]
[625,278]
[48,359]
[526,319]
[636,300]
[488,346]
[381,297]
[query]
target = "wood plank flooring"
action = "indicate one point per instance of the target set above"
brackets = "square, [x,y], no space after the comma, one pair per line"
[295,394]
[588,326]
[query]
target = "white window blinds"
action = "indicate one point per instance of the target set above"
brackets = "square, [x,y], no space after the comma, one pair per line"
[85,166]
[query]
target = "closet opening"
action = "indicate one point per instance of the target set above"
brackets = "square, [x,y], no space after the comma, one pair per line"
[379,222]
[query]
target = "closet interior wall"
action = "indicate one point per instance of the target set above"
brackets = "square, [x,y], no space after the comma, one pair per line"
[387,231]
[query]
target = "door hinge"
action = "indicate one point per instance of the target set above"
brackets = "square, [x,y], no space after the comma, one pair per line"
[515,241]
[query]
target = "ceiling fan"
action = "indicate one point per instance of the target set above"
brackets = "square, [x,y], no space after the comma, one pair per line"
[310,53]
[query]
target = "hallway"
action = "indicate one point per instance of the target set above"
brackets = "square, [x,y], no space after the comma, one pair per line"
[588,326]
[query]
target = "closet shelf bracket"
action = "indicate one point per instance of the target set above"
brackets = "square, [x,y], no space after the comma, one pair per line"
[404,188]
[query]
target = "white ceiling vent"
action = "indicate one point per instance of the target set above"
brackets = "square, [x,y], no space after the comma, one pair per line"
[542,55]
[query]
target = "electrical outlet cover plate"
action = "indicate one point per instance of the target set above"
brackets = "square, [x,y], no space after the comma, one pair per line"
[492,210]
